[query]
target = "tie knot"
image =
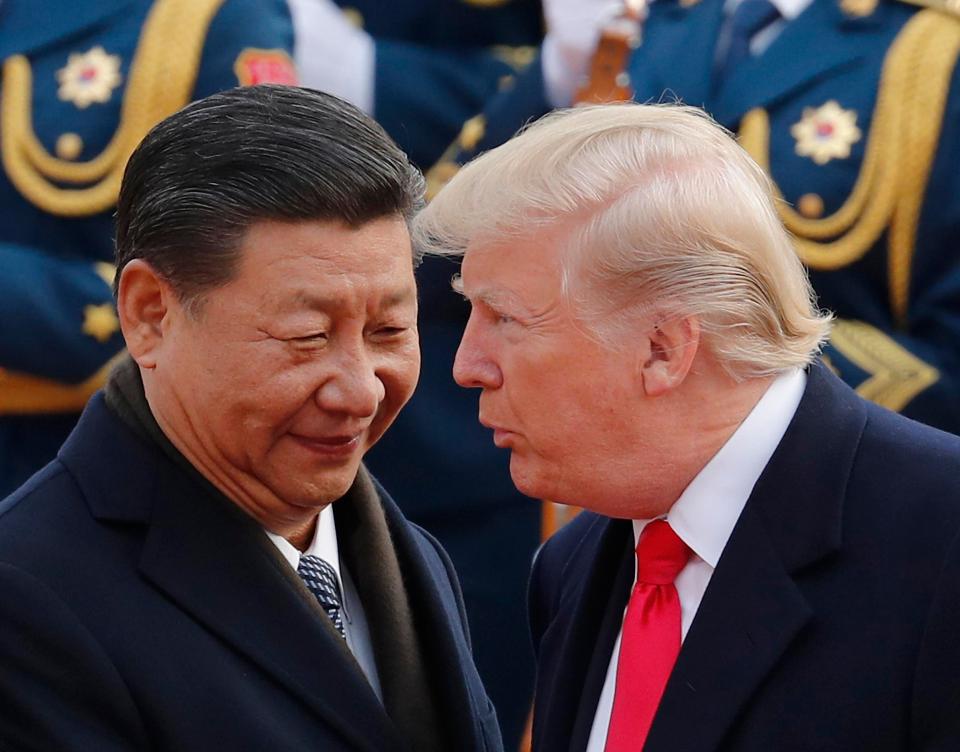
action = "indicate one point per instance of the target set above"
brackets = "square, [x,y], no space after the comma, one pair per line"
[660,554]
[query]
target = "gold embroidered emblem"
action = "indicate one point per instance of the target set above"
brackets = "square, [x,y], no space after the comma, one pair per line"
[826,132]
[858,8]
[100,321]
[354,16]
[89,77]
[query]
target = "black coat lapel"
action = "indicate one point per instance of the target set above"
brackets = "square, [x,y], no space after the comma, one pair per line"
[580,638]
[445,646]
[754,606]
[217,565]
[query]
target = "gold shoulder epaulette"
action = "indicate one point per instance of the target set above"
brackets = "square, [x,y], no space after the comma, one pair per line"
[947,6]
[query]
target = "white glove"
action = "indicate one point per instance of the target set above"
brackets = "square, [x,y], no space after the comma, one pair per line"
[573,30]
[331,53]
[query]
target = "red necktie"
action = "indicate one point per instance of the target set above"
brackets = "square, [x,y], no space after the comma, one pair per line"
[650,640]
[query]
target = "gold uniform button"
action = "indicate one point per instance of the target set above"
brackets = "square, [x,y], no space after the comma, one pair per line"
[69,146]
[810,206]
[354,16]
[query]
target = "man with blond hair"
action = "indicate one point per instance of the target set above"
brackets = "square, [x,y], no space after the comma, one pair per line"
[767,561]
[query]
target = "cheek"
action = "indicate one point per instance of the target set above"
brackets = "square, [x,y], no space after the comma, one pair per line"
[399,374]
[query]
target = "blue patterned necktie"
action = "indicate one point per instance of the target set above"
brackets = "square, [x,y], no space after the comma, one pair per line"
[321,580]
[749,18]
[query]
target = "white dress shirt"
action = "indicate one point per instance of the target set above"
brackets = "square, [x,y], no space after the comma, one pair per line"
[707,511]
[355,626]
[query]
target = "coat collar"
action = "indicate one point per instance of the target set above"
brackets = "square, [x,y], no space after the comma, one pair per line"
[752,609]
[582,635]
[239,588]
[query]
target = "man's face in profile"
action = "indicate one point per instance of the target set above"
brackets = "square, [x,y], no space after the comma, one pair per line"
[560,401]
[290,372]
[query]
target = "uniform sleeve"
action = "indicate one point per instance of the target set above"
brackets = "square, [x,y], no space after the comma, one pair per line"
[58,689]
[523,100]
[70,329]
[249,42]
[423,95]
[58,325]
[909,373]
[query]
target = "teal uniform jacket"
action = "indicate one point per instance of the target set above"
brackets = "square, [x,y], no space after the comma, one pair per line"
[83,82]
[855,111]
[440,61]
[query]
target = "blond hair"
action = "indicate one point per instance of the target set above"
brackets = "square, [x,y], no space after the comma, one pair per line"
[668,214]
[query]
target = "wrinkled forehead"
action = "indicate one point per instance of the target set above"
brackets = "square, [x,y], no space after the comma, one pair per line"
[315,263]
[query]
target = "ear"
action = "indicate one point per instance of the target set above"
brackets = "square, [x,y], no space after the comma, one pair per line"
[674,344]
[143,301]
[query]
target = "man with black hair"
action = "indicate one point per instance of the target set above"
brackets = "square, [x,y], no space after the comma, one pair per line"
[179,577]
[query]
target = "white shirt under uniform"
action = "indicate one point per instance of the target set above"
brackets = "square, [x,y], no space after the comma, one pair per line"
[705,514]
[355,626]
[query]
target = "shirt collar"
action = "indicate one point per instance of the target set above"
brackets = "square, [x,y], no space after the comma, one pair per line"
[324,543]
[707,511]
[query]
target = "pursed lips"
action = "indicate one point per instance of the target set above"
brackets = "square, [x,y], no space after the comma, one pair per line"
[502,437]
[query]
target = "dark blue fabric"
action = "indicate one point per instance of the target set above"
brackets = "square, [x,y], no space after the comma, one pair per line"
[829,623]
[750,17]
[49,276]
[822,55]
[438,62]
[140,612]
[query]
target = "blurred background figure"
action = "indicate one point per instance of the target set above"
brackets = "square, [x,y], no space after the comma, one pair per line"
[853,108]
[82,84]
[421,67]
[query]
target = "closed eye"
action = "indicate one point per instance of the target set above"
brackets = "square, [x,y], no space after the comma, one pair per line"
[315,337]
[390,331]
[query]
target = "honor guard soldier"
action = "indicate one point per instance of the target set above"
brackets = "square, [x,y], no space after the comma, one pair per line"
[421,67]
[82,84]
[853,108]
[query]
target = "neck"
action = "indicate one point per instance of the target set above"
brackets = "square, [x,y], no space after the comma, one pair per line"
[699,418]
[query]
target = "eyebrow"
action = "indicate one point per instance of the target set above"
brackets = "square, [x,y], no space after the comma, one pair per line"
[497,299]
[308,299]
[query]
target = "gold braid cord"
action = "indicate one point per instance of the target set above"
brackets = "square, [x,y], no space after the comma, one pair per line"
[897,376]
[21,394]
[928,74]
[161,80]
[888,196]
[903,137]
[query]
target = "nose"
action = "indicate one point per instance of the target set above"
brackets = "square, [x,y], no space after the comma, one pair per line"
[353,388]
[473,365]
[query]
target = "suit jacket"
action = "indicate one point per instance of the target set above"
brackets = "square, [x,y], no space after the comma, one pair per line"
[139,612]
[830,622]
